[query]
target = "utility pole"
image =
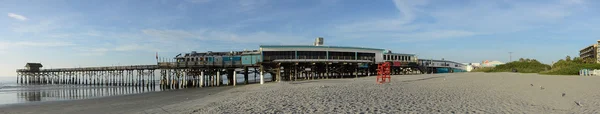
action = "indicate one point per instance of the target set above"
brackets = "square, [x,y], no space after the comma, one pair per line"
[510,56]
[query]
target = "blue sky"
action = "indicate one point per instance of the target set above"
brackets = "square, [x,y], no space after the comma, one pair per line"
[75,33]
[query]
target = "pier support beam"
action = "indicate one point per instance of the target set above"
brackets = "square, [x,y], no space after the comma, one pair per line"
[230,76]
[245,75]
[202,79]
[218,78]
[262,78]
[234,77]
[278,72]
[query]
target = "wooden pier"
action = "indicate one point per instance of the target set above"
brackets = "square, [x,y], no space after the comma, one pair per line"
[281,62]
[136,75]
[173,75]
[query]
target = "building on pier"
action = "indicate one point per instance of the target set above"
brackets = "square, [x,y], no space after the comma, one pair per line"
[402,63]
[206,69]
[231,59]
[318,61]
[33,66]
[441,66]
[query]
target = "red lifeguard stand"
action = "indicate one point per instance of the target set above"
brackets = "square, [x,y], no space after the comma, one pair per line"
[383,73]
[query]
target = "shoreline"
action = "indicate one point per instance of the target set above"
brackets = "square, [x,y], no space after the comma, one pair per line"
[69,100]
[131,103]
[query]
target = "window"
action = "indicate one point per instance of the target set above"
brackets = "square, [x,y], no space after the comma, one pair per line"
[366,56]
[342,55]
[312,55]
[274,55]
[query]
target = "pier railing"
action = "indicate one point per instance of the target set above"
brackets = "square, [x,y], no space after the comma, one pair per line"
[109,68]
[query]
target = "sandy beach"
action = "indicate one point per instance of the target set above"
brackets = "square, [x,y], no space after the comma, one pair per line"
[437,93]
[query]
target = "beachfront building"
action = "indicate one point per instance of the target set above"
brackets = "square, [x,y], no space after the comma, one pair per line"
[317,61]
[468,67]
[441,66]
[314,53]
[402,63]
[491,63]
[590,52]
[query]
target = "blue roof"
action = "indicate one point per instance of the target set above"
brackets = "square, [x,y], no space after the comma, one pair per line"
[312,46]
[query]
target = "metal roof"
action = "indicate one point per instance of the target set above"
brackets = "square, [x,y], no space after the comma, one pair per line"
[404,54]
[438,60]
[33,65]
[312,46]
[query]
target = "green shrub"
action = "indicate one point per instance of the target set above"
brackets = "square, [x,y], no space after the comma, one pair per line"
[526,66]
[562,67]
[570,69]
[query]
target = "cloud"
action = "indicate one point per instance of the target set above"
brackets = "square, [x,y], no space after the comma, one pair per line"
[99,51]
[406,10]
[5,45]
[573,1]
[170,34]
[406,16]
[260,37]
[179,40]
[41,27]
[17,16]
[198,1]
[416,19]
[137,47]
[249,5]
[92,51]
[36,44]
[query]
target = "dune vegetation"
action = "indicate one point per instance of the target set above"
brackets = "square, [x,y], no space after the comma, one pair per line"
[522,66]
[565,66]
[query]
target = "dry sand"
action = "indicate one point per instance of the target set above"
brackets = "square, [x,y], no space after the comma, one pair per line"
[439,93]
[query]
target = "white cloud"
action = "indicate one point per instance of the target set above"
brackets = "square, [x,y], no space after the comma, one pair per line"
[213,35]
[42,26]
[170,34]
[406,9]
[35,44]
[573,1]
[17,16]
[5,45]
[92,51]
[137,47]
[177,40]
[43,44]
[249,5]
[468,19]
[406,15]
[198,1]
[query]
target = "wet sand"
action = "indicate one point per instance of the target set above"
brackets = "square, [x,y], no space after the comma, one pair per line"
[438,93]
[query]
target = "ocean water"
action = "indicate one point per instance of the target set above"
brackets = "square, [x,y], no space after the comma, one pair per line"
[13,93]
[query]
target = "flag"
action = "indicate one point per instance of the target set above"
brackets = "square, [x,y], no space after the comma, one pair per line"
[156,55]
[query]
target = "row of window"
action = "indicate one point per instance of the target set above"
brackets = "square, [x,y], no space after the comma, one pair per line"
[191,59]
[397,58]
[274,55]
